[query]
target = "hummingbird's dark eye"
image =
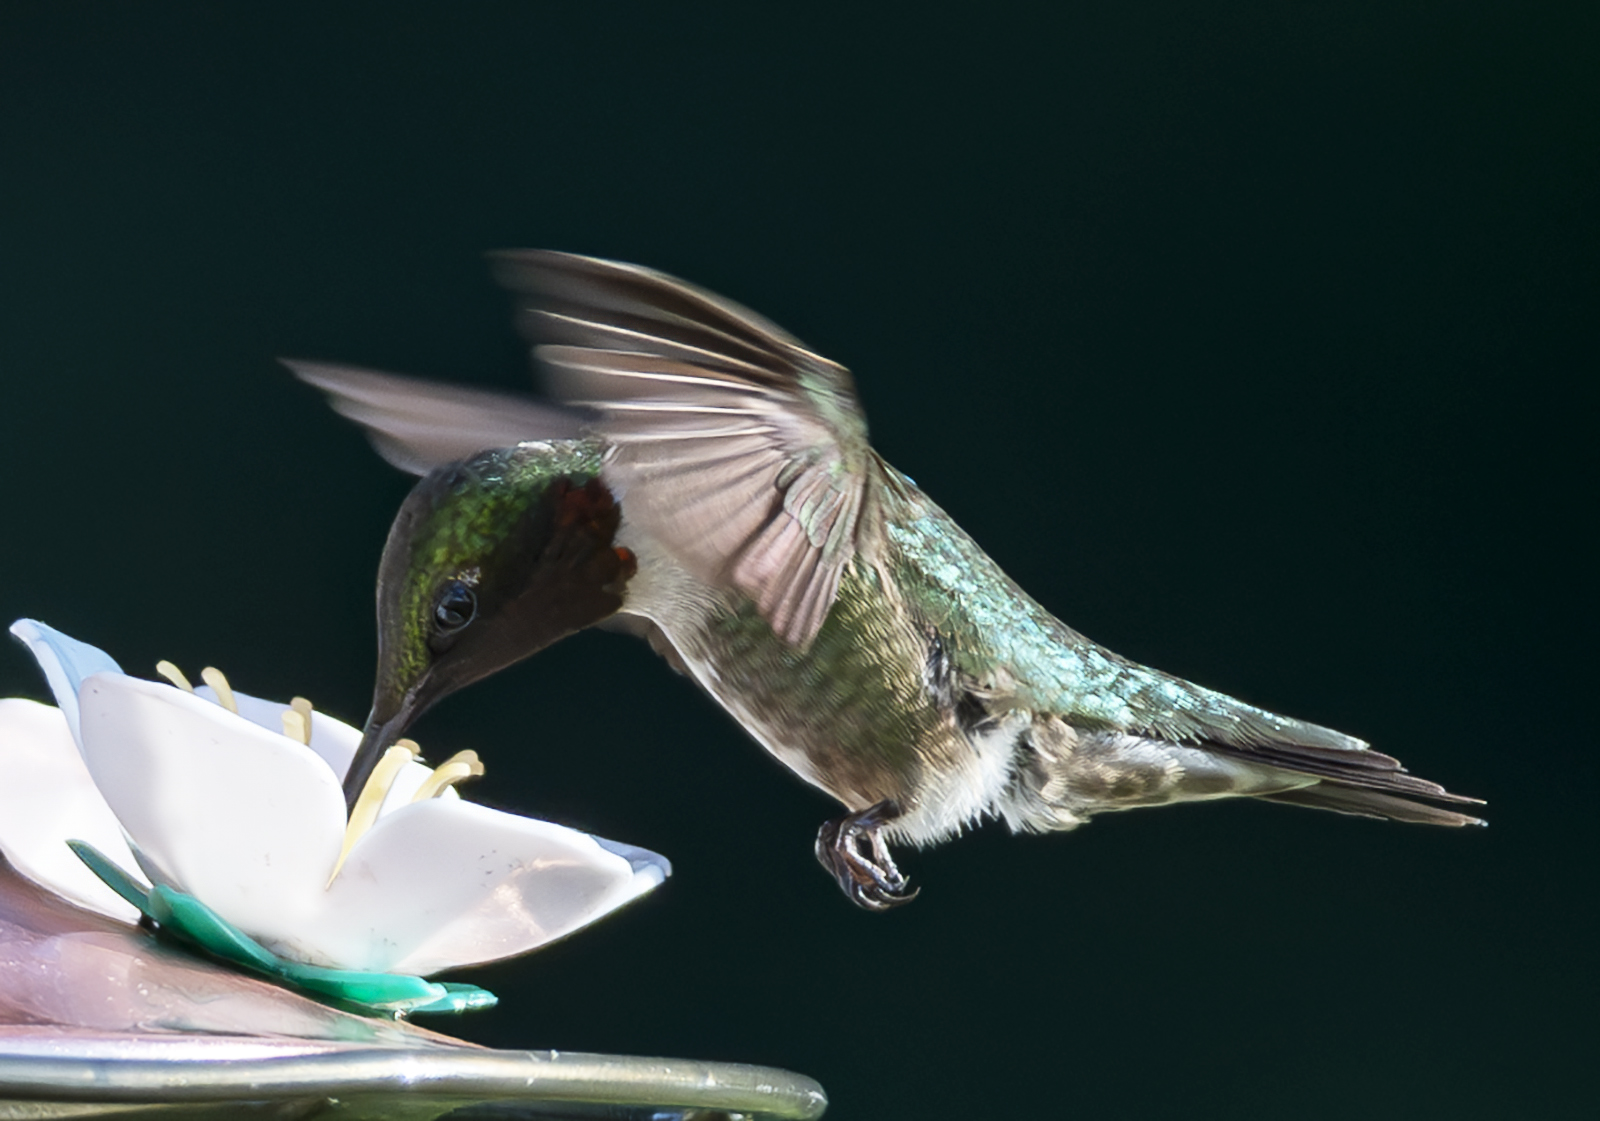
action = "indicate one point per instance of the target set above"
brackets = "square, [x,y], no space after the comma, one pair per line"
[455,607]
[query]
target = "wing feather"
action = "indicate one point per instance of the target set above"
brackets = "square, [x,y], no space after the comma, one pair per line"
[417,425]
[738,448]
[695,348]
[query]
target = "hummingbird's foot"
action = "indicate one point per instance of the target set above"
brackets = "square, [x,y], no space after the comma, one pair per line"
[853,849]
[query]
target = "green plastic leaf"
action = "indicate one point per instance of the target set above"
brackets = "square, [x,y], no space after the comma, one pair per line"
[186,920]
[186,915]
[459,997]
[395,992]
[113,877]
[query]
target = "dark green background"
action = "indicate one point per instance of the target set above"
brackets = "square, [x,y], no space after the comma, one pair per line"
[1248,337]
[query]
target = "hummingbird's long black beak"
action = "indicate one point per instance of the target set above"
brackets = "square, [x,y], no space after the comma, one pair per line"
[384,726]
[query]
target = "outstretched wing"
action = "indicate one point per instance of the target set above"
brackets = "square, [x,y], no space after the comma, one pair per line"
[418,425]
[740,450]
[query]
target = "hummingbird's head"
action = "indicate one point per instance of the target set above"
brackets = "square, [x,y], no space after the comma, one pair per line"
[489,560]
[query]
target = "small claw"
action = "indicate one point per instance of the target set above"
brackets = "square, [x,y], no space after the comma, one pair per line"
[873,900]
[852,848]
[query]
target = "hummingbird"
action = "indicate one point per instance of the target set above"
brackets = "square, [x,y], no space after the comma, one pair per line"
[704,480]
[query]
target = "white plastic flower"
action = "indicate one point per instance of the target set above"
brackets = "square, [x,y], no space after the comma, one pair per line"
[237,801]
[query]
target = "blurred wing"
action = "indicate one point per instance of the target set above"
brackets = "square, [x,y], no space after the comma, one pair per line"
[417,425]
[740,450]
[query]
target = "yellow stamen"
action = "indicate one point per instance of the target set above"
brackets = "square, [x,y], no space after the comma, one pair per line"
[212,676]
[302,709]
[296,726]
[365,811]
[173,674]
[461,765]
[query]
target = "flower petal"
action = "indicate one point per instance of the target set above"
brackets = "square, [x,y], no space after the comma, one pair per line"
[243,818]
[48,798]
[65,662]
[444,883]
[334,741]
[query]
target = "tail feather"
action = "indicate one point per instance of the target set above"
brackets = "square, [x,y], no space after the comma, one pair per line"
[1360,767]
[1355,780]
[1371,803]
